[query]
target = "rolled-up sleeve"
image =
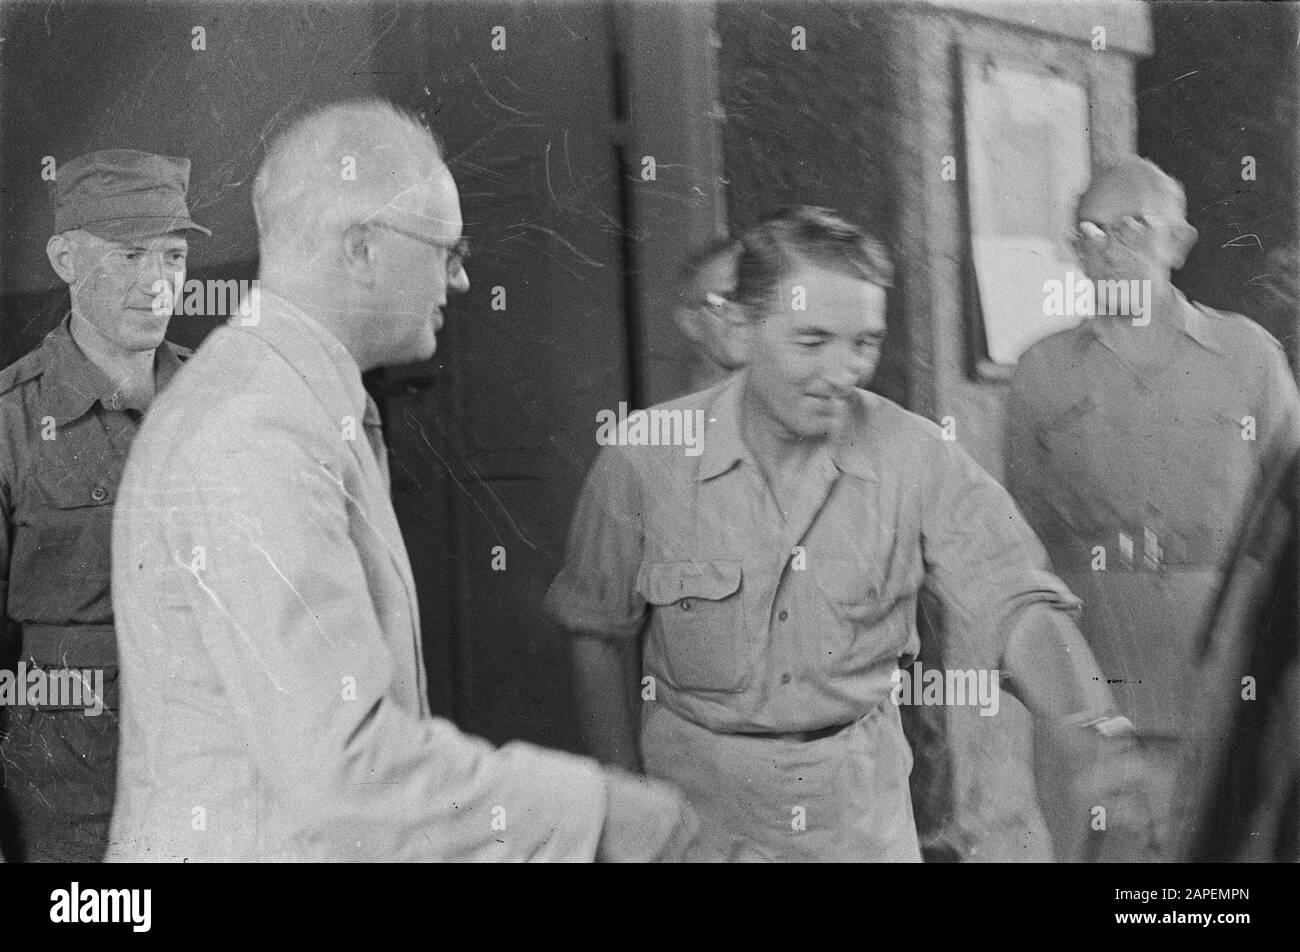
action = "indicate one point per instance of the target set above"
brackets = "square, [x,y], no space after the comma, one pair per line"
[595,593]
[981,557]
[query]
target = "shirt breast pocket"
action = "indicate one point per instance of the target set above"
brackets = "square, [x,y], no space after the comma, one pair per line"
[701,620]
[1065,435]
[859,604]
[69,518]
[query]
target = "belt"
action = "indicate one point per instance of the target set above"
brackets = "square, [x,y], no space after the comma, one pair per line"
[801,737]
[71,646]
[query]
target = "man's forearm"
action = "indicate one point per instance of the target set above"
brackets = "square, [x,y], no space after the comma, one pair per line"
[1052,670]
[605,682]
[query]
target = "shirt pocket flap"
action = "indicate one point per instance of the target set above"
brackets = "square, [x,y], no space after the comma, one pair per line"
[663,583]
[71,487]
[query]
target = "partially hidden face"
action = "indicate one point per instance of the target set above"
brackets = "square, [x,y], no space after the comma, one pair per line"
[816,339]
[1127,230]
[115,285]
[701,316]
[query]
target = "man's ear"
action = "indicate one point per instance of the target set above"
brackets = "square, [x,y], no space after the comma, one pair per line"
[359,254]
[62,254]
[1182,241]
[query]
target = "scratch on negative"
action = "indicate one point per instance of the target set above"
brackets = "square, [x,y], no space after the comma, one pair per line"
[550,191]
[560,238]
[231,618]
[419,428]
[361,509]
[488,94]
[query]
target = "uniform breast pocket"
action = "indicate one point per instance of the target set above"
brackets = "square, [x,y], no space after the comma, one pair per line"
[701,620]
[1065,435]
[67,521]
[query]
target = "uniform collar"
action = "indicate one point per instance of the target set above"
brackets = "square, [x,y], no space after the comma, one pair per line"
[72,383]
[310,348]
[724,446]
[1189,318]
[1200,326]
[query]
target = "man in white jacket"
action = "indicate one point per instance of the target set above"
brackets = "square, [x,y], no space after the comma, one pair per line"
[274,702]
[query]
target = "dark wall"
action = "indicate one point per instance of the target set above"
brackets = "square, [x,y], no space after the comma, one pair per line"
[1223,84]
[79,76]
[814,126]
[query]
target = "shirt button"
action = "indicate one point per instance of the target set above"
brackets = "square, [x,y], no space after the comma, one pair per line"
[785,678]
[784,615]
[686,604]
[99,494]
[872,592]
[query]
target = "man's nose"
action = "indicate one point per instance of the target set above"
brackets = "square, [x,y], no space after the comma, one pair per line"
[844,375]
[459,281]
[152,269]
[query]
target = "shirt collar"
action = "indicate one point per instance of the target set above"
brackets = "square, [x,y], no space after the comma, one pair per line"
[1199,326]
[857,447]
[1190,318]
[724,446]
[72,383]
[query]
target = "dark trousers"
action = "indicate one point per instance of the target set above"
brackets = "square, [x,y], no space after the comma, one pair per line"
[59,769]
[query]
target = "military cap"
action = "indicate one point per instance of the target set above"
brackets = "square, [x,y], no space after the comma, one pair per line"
[121,194]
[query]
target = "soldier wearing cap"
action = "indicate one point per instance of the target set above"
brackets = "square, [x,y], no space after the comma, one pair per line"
[68,413]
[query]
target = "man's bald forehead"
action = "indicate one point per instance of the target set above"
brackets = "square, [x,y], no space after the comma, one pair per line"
[1136,177]
[347,160]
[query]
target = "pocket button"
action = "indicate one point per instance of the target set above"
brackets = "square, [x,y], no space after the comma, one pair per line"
[686,604]
[99,494]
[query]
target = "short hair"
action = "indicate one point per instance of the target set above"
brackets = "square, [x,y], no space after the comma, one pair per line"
[1143,171]
[811,235]
[338,164]
[700,257]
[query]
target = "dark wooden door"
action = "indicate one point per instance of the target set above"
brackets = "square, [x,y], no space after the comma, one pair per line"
[492,439]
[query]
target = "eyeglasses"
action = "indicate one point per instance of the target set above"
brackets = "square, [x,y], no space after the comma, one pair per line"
[1131,230]
[457,251]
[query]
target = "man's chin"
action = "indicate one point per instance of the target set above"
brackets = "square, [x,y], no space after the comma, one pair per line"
[422,351]
[817,427]
[143,344]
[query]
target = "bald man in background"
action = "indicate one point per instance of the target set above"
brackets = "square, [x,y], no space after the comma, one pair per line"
[274,690]
[1136,442]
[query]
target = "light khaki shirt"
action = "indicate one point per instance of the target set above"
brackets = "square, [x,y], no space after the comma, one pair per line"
[755,622]
[1137,481]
